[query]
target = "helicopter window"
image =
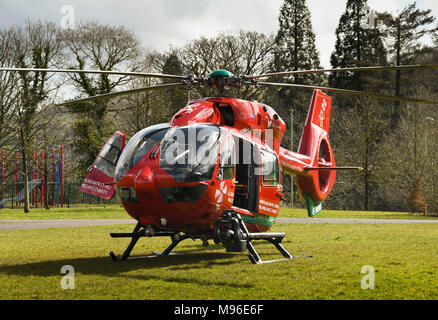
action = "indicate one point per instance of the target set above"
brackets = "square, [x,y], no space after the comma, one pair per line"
[228,161]
[107,159]
[138,146]
[189,154]
[145,145]
[269,168]
[227,114]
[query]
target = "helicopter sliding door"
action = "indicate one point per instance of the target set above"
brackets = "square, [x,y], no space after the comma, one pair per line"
[246,192]
[270,183]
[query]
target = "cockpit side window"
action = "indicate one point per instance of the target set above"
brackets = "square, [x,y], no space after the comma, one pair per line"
[228,160]
[107,159]
[138,146]
[269,168]
[145,145]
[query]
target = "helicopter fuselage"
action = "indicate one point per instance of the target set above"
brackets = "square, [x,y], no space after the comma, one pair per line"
[158,194]
[216,154]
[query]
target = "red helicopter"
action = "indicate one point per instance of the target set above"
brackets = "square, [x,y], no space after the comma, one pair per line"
[214,171]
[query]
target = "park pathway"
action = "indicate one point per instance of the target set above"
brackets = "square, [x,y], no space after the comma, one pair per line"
[43,224]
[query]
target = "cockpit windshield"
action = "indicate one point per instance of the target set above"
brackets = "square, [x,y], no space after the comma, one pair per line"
[138,146]
[189,154]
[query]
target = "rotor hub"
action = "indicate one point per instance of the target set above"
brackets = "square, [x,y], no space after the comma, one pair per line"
[222,80]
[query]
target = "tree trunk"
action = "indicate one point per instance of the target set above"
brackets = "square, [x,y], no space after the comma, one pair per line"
[23,146]
[396,114]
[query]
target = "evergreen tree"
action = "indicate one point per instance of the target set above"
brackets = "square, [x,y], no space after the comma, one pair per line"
[403,33]
[176,97]
[357,45]
[295,49]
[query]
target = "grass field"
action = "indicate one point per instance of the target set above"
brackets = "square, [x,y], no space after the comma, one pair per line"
[404,256]
[116,212]
[98,212]
[301,213]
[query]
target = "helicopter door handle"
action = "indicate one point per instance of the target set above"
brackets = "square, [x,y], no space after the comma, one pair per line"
[280,194]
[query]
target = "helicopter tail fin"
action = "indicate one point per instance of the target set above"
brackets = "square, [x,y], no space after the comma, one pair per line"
[316,184]
[314,165]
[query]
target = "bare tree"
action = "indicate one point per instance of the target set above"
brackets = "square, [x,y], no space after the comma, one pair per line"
[138,111]
[95,46]
[245,53]
[37,45]
[357,142]
[8,85]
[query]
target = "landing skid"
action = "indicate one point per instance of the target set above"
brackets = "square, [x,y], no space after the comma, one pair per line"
[141,231]
[155,254]
[255,257]
[231,231]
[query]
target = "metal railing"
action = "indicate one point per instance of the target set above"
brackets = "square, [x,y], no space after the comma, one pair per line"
[72,196]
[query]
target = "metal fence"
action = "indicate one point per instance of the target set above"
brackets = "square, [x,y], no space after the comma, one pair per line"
[72,196]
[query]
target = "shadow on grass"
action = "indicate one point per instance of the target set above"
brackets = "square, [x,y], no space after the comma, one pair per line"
[187,259]
[190,266]
[106,266]
[171,268]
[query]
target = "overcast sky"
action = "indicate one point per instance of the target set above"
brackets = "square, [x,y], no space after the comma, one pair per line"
[161,23]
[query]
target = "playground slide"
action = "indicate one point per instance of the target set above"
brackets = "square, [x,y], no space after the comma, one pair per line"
[20,196]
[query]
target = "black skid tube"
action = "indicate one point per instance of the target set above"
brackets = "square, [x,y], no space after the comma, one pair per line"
[142,231]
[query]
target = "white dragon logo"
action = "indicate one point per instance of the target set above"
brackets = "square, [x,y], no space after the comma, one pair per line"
[322,113]
[221,192]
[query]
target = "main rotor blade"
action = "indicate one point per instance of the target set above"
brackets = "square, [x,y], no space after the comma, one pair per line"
[353,92]
[118,73]
[121,93]
[372,68]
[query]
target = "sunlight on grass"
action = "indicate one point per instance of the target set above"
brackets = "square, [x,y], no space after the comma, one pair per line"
[302,213]
[404,257]
[97,212]
[117,212]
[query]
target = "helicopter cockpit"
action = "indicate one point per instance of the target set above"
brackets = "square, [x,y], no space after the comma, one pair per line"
[138,146]
[189,154]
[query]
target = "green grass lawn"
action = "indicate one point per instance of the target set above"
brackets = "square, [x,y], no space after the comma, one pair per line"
[405,259]
[91,212]
[117,212]
[302,213]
